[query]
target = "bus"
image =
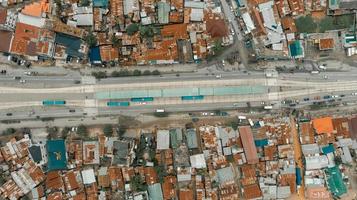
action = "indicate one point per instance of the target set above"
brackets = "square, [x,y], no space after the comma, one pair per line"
[118,103]
[53,102]
[199,97]
[142,99]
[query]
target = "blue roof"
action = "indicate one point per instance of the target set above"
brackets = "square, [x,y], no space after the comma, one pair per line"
[191,139]
[100,3]
[71,43]
[56,153]
[261,143]
[328,149]
[94,55]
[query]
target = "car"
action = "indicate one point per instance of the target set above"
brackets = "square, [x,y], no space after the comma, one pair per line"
[27,73]
[22,81]
[72,110]
[142,103]
[262,102]
[325,77]
[17,77]
[306,99]
[204,114]
[326,96]
[223,63]
[235,104]
[292,104]
[334,96]
[3,71]
[8,114]
[342,95]
[218,76]
[354,93]
[212,114]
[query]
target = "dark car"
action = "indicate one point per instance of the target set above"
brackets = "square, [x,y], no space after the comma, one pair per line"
[306,99]
[327,97]
[8,114]
[72,110]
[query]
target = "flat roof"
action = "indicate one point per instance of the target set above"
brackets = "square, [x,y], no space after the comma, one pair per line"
[248,144]
[323,125]
[56,152]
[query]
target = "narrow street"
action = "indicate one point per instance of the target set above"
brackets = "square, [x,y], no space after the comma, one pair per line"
[298,155]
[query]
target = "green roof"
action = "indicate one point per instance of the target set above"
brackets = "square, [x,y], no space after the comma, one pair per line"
[175,137]
[100,3]
[56,153]
[155,192]
[163,12]
[191,139]
[335,182]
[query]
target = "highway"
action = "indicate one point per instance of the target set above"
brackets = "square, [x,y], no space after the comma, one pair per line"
[24,101]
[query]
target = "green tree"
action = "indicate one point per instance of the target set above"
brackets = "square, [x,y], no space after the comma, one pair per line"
[155,72]
[161,173]
[82,130]
[306,24]
[121,129]
[108,130]
[116,41]
[90,39]
[137,184]
[147,73]
[9,131]
[136,73]
[99,75]
[132,29]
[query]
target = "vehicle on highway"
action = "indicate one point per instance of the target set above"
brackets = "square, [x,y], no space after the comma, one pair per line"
[306,99]
[204,114]
[354,93]
[315,72]
[27,73]
[325,77]
[218,76]
[292,104]
[317,98]
[326,96]
[17,77]
[160,110]
[342,95]
[8,114]
[3,71]
[262,102]
[235,104]
[322,67]
[223,63]
[143,103]
[22,81]
[72,110]
[268,107]
[334,96]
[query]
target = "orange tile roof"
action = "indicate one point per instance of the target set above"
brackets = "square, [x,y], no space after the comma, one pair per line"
[169,187]
[248,144]
[307,133]
[55,196]
[24,33]
[296,6]
[185,194]
[326,43]
[54,181]
[108,53]
[323,125]
[341,126]
[116,178]
[150,175]
[252,191]
[288,24]
[36,9]
[71,181]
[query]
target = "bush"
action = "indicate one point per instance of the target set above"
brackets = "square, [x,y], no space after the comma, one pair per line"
[90,39]
[147,73]
[156,72]
[132,29]
[121,73]
[161,114]
[99,75]
[9,131]
[82,130]
[121,129]
[137,73]
[108,130]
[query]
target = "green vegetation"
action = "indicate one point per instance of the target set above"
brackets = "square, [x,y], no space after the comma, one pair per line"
[121,129]
[9,131]
[156,72]
[136,73]
[121,73]
[148,31]
[147,73]
[108,130]
[116,41]
[84,2]
[82,130]
[59,7]
[90,39]
[99,75]
[161,173]
[132,29]
[307,24]
[137,183]
[161,114]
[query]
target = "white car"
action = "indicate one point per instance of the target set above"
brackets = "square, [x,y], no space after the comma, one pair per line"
[143,103]
[22,81]
[204,114]
[218,76]
[334,96]
[27,73]
[354,93]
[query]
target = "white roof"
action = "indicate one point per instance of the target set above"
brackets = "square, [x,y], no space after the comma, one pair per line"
[194,4]
[84,19]
[196,14]
[198,161]
[30,20]
[88,176]
[163,139]
[310,149]
[248,22]
[193,37]
[343,142]
[277,46]
[346,157]
[316,162]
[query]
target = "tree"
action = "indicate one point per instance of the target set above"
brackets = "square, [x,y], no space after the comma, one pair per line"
[132,29]
[9,131]
[90,39]
[161,172]
[99,75]
[137,184]
[121,129]
[147,73]
[116,41]
[108,130]
[338,160]
[82,130]
[121,73]
[137,73]
[84,2]
[156,72]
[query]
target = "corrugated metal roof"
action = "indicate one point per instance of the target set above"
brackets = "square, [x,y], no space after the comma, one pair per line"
[155,192]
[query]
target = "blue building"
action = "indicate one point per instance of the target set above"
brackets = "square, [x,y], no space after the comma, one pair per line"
[57,156]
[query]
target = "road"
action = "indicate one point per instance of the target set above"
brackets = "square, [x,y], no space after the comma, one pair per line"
[25,101]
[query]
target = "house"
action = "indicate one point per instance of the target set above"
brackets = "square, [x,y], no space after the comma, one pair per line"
[155,192]
[57,156]
[198,161]
[248,144]
[163,139]
[90,152]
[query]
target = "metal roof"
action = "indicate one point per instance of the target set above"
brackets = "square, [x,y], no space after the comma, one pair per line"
[155,192]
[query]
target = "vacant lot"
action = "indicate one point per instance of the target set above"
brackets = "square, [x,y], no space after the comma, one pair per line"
[307,24]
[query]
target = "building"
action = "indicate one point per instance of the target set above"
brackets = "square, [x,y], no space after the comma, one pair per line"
[248,144]
[90,152]
[326,44]
[155,192]
[163,139]
[57,156]
[198,161]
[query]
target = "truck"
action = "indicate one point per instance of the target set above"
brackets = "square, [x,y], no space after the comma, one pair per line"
[268,107]
[315,72]
[160,110]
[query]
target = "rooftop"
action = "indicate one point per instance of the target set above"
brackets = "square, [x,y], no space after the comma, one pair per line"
[57,156]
